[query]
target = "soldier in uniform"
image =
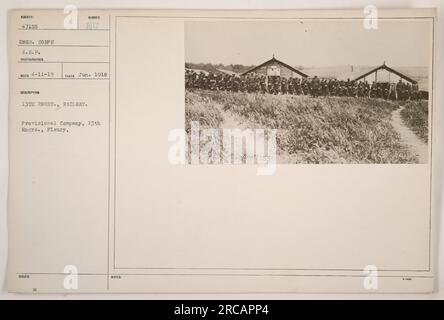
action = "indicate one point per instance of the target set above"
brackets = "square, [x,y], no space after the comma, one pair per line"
[332,87]
[373,90]
[284,86]
[297,86]
[360,89]
[263,84]
[290,85]
[409,91]
[187,79]
[415,92]
[400,90]
[347,88]
[386,91]
[366,89]
[271,85]
[315,86]
[277,85]
[324,88]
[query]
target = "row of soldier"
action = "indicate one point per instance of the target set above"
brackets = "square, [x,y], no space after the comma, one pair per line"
[313,86]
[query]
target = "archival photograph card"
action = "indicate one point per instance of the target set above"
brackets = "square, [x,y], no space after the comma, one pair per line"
[181,151]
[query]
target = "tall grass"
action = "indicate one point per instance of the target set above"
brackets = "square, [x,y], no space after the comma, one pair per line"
[311,130]
[416,116]
[203,109]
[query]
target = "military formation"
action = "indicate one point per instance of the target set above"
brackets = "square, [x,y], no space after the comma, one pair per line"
[257,83]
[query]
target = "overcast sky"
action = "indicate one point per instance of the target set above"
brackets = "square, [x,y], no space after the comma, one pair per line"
[309,43]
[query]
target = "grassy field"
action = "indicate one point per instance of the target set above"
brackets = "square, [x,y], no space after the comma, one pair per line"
[416,117]
[310,130]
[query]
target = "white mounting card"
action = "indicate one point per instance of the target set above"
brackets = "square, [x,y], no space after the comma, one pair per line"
[221,151]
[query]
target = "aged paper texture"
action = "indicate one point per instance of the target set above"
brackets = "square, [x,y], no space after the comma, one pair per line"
[221,151]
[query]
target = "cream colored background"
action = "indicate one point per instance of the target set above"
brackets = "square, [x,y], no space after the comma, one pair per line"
[330,4]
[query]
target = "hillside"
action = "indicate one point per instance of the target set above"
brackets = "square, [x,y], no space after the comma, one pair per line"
[310,130]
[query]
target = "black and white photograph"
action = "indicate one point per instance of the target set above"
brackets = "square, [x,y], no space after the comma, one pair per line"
[334,90]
